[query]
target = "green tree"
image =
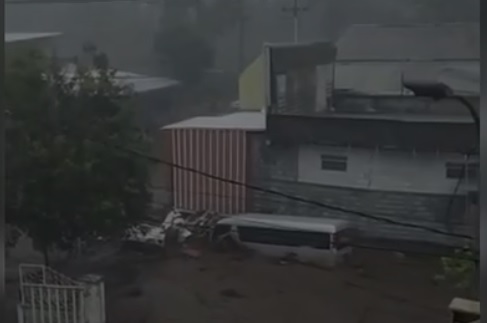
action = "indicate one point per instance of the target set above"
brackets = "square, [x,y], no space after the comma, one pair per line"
[462,270]
[66,178]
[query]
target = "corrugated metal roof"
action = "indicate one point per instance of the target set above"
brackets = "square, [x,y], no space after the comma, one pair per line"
[448,41]
[139,83]
[17,37]
[250,121]
[144,83]
[382,78]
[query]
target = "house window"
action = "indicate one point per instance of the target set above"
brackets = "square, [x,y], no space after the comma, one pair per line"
[462,170]
[334,162]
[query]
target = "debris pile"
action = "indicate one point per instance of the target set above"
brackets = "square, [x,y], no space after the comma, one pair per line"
[178,225]
[146,233]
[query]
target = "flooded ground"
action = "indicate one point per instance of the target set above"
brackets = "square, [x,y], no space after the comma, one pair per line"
[377,287]
[233,287]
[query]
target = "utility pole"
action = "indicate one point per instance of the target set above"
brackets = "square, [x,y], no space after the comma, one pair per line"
[2,156]
[295,10]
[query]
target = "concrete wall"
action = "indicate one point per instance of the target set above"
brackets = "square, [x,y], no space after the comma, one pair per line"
[380,170]
[278,169]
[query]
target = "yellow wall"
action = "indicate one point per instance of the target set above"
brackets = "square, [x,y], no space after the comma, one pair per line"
[251,85]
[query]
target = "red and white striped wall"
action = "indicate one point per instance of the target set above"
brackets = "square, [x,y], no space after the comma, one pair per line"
[221,153]
[218,151]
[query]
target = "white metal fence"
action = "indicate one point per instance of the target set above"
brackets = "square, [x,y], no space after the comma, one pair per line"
[47,296]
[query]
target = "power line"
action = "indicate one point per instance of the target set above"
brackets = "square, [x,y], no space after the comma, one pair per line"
[40,2]
[262,198]
[356,285]
[291,197]
[284,195]
[370,246]
[2,150]
[365,246]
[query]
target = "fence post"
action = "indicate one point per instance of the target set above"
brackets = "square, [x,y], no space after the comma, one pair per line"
[20,314]
[94,299]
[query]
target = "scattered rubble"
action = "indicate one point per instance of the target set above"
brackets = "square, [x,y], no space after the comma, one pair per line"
[147,234]
[178,226]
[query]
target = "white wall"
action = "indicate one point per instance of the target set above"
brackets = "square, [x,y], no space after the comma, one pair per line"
[380,170]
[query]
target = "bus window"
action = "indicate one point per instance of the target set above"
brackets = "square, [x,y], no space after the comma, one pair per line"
[291,238]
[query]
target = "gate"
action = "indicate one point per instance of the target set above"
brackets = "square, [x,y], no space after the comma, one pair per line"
[47,296]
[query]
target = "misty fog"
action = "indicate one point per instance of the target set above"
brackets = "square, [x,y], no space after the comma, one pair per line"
[125,29]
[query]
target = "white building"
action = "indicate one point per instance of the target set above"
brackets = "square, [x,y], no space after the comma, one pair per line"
[379,150]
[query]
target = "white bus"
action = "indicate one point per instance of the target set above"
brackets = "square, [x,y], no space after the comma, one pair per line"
[307,239]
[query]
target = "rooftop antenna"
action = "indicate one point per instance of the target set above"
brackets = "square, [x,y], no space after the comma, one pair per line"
[295,10]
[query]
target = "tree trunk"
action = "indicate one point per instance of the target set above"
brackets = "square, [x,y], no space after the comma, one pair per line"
[45,253]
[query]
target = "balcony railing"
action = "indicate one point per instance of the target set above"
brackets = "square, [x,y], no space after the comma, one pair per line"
[397,105]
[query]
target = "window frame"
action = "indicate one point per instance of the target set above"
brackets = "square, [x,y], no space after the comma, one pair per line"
[456,170]
[336,163]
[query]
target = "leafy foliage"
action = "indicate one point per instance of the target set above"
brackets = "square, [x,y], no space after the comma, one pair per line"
[461,268]
[64,178]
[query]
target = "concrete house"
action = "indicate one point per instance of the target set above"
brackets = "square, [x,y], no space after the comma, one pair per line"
[370,145]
